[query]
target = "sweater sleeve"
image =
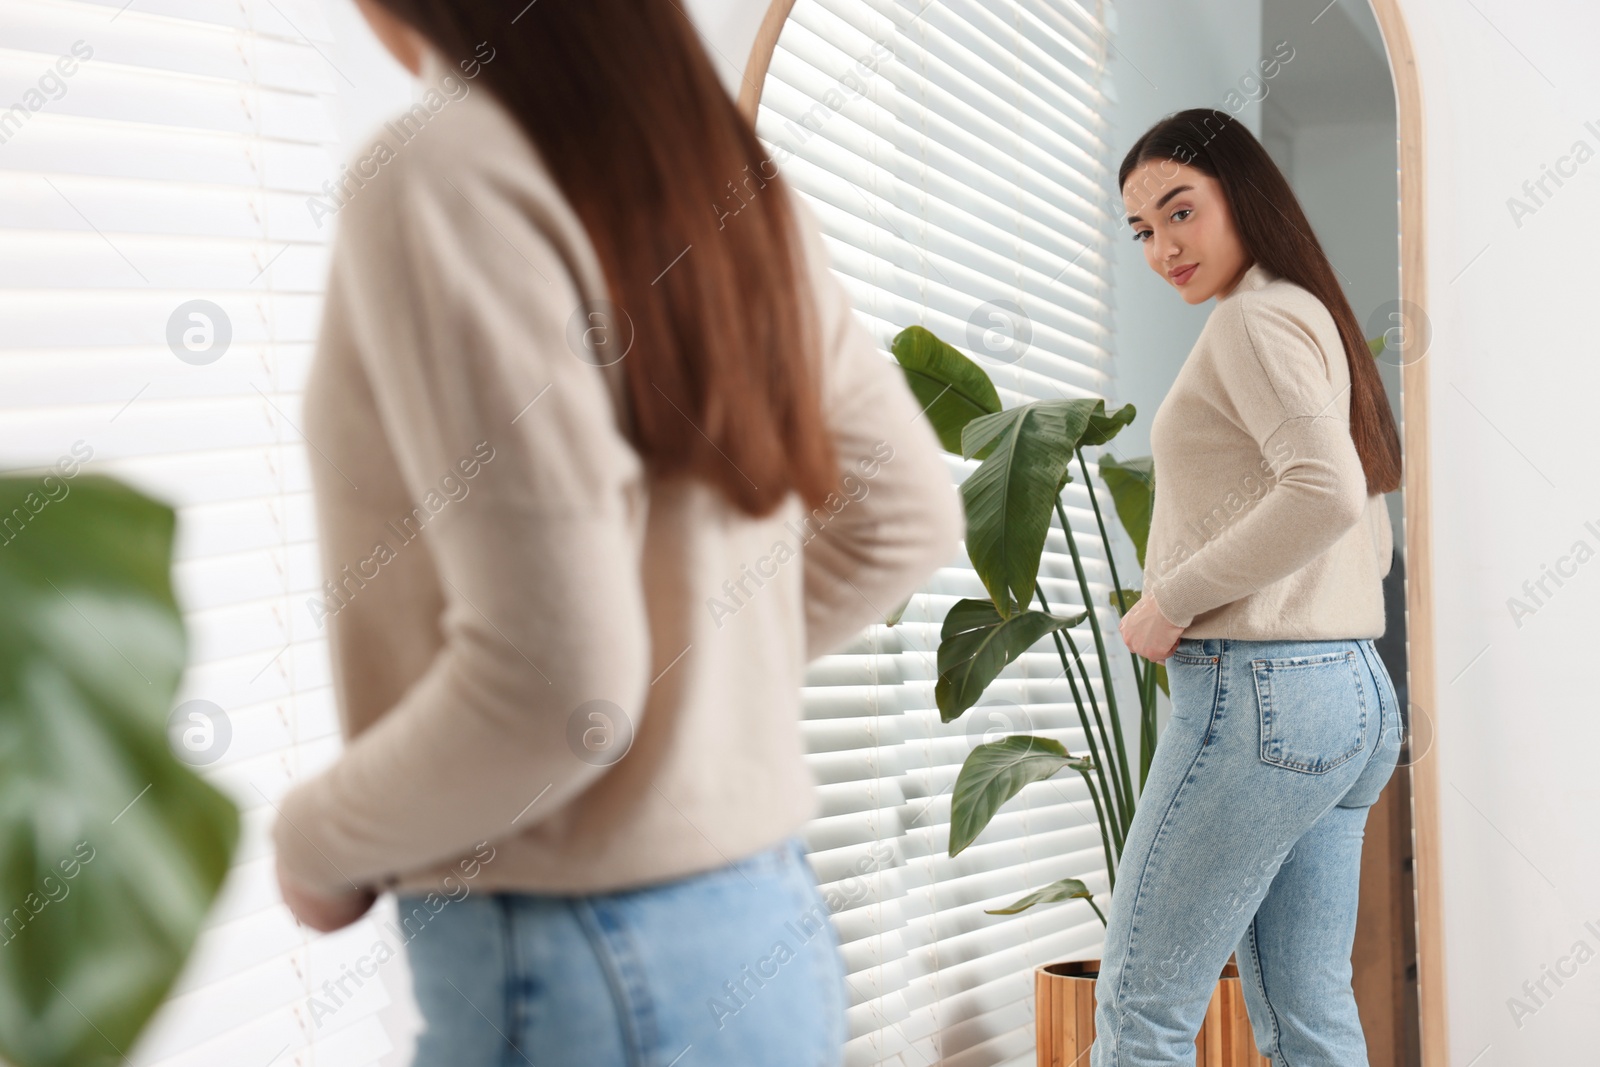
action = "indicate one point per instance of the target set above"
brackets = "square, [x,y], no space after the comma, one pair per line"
[457,305]
[901,517]
[1275,378]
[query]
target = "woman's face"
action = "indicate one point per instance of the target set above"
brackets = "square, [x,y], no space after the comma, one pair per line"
[1181,217]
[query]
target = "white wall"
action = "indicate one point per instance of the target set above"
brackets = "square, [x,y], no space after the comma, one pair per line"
[1508,88]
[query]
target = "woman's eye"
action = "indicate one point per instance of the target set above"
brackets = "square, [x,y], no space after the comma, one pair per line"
[1180,211]
[1140,235]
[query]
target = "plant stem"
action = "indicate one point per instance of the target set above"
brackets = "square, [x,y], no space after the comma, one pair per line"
[1148,725]
[1113,796]
[1116,584]
[1122,815]
[1077,699]
[1144,670]
[1105,838]
[1100,652]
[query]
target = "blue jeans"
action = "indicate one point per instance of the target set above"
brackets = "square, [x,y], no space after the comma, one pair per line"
[738,965]
[1247,839]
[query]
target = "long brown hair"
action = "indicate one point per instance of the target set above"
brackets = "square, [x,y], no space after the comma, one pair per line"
[1276,234]
[627,112]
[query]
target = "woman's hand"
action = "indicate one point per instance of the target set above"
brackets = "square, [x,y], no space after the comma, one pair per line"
[320,912]
[1147,632]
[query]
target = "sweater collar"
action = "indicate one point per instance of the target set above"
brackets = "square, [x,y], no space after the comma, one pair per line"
[1254,278]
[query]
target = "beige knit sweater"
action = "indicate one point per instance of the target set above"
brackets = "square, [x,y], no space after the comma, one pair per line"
[1262,527]
[512,601]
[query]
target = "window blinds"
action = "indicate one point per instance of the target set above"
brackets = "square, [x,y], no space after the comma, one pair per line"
[160,280]
[957,156]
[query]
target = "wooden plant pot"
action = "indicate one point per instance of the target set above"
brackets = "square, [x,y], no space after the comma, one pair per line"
[1064,1013]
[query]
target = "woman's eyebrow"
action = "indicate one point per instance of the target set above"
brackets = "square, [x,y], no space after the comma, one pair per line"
[1168,195]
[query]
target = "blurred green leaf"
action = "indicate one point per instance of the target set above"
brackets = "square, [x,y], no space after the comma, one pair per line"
[111,849]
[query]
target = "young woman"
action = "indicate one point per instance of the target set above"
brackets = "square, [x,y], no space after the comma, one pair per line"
[1262,592]
[600,464]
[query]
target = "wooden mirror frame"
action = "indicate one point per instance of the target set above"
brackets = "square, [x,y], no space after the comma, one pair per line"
[1423,685]
[1422,690]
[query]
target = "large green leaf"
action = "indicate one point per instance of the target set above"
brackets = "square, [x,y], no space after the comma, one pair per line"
[1103,427]
[994,773]
[111,850]
[975,644]
[1133,493]
[952,389]
[1011,496]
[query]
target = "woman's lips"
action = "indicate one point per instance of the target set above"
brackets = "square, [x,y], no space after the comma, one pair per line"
[1183,274]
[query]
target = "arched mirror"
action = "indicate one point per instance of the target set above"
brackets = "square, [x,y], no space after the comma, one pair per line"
[961,157]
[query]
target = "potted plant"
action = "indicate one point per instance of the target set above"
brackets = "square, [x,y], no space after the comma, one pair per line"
[1012,499]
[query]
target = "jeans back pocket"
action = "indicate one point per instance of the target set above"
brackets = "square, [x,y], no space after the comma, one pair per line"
[1313,710]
